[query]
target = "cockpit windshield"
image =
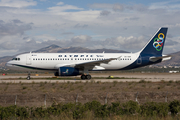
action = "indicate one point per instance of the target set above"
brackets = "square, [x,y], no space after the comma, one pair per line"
[17,59]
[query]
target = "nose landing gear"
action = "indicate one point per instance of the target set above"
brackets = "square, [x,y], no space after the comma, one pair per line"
[29,76]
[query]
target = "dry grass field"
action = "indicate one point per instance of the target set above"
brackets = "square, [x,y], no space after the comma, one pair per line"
[44,90]
[125,87]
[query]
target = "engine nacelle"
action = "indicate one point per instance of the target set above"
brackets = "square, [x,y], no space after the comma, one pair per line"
[67,71]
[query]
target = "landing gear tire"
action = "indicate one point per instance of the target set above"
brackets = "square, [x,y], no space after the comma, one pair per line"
[28,78]
[88,77]
[83,77]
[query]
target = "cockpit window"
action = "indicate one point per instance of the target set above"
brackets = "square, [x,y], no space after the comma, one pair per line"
[17,59]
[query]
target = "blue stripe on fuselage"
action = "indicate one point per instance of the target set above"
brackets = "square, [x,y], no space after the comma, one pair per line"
[144,62]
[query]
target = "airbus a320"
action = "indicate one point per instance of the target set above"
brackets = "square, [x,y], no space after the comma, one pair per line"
[73,64]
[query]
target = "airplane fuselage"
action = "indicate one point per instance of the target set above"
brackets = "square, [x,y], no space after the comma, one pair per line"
[51,61]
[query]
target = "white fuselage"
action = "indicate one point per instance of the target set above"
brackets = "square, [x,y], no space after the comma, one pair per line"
[52,61]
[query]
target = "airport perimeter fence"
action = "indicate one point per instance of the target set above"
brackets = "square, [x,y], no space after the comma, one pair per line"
[105,98]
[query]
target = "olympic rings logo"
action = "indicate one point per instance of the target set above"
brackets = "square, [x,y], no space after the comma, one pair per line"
[158,42]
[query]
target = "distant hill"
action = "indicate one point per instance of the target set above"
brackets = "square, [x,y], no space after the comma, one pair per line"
[49,49]
[57,49]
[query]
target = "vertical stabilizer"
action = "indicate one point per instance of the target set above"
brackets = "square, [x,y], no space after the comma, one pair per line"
[156,43]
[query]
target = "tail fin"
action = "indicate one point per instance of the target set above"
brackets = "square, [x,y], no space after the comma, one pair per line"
[156,43]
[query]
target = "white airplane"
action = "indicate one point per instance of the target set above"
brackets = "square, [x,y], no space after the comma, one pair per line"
[73,64]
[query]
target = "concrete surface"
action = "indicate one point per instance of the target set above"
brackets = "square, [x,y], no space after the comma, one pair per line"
[153,77]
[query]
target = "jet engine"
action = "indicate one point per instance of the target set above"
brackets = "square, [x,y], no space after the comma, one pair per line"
[67,71]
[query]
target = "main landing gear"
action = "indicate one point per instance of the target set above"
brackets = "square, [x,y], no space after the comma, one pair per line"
[83,77]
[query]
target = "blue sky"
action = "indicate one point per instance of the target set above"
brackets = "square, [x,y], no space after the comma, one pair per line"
[27,25]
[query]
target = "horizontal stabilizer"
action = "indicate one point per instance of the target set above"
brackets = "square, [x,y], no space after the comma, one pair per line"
[164,57]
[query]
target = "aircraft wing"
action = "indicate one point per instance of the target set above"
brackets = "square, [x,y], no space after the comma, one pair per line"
[87,65]
[90,65]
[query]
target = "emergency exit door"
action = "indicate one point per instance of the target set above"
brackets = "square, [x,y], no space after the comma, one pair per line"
[28,60]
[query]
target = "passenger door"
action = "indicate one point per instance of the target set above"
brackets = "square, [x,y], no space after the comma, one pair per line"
[28,60]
